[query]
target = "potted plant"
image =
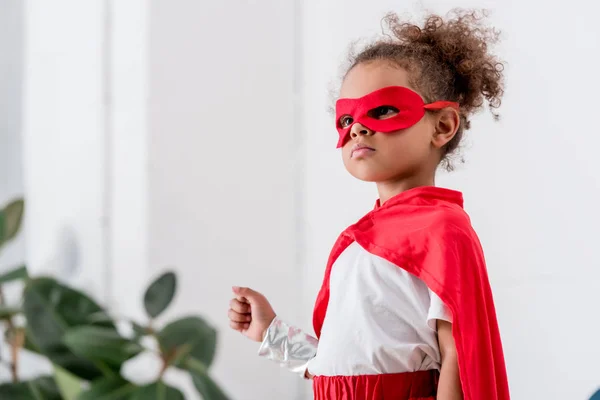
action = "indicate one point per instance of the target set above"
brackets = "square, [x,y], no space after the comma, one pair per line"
[83,344]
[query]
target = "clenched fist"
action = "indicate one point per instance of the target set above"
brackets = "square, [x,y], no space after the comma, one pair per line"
[250,313]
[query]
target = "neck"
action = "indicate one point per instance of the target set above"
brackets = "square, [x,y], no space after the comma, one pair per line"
[389,189]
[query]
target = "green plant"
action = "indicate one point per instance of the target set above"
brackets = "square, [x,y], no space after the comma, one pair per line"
[83,345]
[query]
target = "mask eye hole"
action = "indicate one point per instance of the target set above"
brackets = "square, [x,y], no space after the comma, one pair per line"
[345,121]
[383,112]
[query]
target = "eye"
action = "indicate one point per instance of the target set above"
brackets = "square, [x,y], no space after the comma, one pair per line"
[346,121]
[383,112]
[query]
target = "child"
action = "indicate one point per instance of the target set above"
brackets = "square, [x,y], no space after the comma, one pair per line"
[405,310]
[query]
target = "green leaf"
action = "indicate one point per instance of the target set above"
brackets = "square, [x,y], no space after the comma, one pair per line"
[11,218]
[192,335]
[139,330]
[15,274]
[203,382]
[157,391]
[109,389]
[51,310]
[208,388]
[8,312]
[100,317]
[42,388]
[101,344]
[159,294]
[68,384]
[29,344]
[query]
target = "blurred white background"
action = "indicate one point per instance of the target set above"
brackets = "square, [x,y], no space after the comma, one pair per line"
[195,134]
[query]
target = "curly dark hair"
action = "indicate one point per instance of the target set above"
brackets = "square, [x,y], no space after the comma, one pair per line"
[447,59]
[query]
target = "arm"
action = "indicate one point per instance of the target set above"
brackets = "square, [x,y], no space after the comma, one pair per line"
[251,314]
[289,347]
[449,387]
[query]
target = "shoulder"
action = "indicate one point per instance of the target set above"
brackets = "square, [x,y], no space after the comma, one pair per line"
[453,233]
[452,218]
[438,217]
[448,225]
[437,222]
[453,224]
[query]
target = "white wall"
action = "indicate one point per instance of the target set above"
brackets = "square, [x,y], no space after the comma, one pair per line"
[531,181]
[11,171]
[114,202]
[52,151]
[84,146]
[222,152]
[64,141]
[11,81]
[126,174]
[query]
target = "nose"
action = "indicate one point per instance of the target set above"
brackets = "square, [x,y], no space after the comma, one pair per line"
[359,129]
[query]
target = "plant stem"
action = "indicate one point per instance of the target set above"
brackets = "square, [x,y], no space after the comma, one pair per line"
[15,345]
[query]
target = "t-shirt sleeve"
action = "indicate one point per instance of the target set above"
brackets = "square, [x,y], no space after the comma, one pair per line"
[437,310]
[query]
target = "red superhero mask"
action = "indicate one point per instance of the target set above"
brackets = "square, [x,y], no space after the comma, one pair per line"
[411,108]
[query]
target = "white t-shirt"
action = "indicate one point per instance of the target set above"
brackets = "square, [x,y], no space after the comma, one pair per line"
[380,319]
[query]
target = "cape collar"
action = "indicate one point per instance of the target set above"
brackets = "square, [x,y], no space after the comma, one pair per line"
[424,192]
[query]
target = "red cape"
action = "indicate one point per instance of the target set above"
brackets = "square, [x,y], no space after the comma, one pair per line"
[426,232]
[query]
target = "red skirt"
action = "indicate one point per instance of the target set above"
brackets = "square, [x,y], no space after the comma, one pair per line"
[420,385]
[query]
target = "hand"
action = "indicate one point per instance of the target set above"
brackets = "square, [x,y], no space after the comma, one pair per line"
[250,313]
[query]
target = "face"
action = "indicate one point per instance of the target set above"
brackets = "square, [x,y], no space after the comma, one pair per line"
[380,157]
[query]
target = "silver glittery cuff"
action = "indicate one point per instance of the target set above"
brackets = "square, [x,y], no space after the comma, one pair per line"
[288,346]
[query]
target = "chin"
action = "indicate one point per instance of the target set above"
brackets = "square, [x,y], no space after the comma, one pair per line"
[367,175]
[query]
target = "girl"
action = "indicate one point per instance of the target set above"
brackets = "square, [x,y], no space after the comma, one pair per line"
[405,310]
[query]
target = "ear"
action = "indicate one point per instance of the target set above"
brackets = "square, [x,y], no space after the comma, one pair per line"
[447,123]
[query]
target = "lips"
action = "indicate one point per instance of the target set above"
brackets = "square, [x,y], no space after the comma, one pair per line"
[359,150]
